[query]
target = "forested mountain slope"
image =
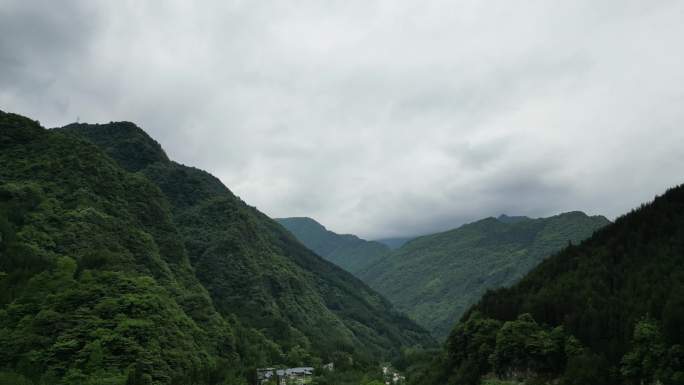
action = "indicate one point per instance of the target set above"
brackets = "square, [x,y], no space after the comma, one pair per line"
[435,278]
[120,266]
[345,250]
[256,270]
[95,282]
[620,293]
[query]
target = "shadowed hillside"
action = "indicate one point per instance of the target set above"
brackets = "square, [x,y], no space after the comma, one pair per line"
[254,269]
[607,311]
[435,278]
[120,266]
[345,250]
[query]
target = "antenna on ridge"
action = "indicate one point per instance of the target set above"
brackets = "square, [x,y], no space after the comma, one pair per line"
[78,119]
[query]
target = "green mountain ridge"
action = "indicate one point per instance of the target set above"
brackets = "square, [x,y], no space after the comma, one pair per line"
[394,243]
[345,250]
[119,265]
[435,278]
[512,219]
[619,296]
[93,270]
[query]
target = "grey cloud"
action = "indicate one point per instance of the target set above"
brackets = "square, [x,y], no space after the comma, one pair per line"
[379,118]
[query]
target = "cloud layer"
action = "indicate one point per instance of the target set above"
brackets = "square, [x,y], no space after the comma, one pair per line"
[379,118]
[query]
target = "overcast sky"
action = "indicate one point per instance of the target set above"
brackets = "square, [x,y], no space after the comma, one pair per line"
[379,118]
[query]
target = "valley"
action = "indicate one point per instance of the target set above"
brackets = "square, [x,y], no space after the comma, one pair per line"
[120,266]
[341,192]
[435,278]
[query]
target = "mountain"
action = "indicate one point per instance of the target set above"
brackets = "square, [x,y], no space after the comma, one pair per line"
[94,280]
[345,250]
[435,278]
[512,219]
[607,311]
[393,243]
[119,265]
[253,268]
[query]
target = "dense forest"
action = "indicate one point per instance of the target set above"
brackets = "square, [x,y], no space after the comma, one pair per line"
[435,278]
[345,250]
[118,266]
[607,311]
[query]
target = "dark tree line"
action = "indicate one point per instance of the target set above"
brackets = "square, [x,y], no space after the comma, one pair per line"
[619,294]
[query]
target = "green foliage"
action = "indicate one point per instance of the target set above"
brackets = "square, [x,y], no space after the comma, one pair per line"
[647,354]
[587,368]
[95,279]
[254,269]
[650,360]
[435,278]
[130,146]
[496,381]
[422,364]
[472,343]
[601,288]
[281,303]
[368,376]
[345,250]
[524,348]
[598,293]
[519,350]
[113,262]
[10,378]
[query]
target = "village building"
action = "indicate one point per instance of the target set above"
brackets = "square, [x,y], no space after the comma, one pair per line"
[391,376]
[288,376]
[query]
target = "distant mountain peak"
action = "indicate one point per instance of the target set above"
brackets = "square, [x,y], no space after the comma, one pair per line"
[574,213]
[302,220]
[345,250]
[582,214]
[511,219]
